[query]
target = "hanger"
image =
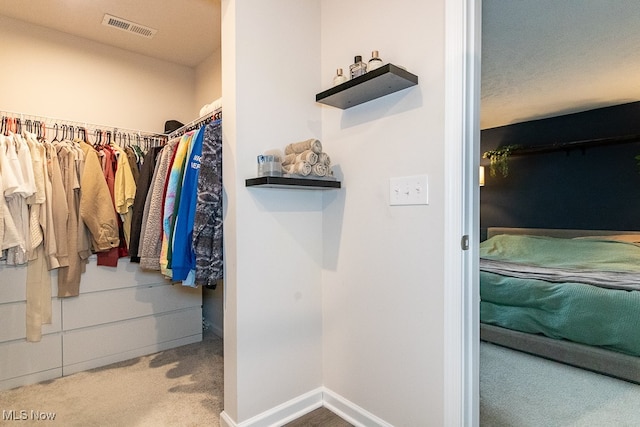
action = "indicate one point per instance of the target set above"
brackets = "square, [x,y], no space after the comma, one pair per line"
[55,137]
[98,137]
[9,125]
[41,130]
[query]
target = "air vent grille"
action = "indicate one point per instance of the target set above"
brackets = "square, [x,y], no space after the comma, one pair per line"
[128,26]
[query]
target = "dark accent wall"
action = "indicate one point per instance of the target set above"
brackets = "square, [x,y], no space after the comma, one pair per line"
[594,188]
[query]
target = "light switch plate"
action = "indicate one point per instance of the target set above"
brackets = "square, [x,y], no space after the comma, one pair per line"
[409,190]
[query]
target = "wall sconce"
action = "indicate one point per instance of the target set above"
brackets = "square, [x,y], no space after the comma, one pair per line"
[481,176]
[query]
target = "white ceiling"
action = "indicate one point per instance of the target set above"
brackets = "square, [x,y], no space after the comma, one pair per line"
[543,58]
[540,58]
[188,30]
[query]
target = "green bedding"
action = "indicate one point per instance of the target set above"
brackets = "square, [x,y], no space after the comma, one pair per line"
[583,313]
[589,254]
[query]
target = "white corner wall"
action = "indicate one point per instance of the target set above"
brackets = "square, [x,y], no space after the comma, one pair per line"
[209,80]
[333,297]
[49,73]
[383,276]
[273,237]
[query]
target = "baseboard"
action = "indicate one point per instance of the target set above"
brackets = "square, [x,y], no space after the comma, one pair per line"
[299,406]
[281,414]
[218,330]
[351,412]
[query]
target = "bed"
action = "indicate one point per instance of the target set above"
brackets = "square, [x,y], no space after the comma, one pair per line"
[572,296]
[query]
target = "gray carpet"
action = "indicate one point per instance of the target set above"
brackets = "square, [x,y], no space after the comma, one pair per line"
[521,390]
[177,387]
[184,386]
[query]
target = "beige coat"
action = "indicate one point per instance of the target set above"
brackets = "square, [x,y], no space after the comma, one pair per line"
[96,205]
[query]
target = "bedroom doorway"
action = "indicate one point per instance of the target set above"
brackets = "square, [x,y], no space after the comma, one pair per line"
[461,319]
[540,84]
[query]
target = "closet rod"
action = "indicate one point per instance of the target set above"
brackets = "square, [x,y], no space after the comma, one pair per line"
[181,130]
[49,121]
[566,146]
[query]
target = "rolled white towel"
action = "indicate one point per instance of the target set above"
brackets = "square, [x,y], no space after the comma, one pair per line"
[289,159]
[299,147]
[319,169]
[307,156]
[324,159]
[300,168]
[303,168]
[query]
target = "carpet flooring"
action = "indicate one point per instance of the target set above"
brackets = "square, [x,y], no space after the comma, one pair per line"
[521,390]
[177,387]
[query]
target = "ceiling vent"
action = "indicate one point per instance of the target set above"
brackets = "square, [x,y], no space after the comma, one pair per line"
[128,26]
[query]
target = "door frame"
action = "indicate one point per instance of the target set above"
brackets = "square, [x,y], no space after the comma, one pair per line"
[462,216]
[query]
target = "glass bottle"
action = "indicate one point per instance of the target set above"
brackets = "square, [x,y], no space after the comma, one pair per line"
[358,67]
[339,78]
[374,62]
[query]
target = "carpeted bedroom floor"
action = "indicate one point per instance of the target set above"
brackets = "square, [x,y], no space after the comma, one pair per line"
[521,390]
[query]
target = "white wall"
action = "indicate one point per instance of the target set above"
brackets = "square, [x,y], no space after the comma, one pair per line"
[380,330]
[273,237]
[53,74]
[383,265]
[209,79]
[213,309]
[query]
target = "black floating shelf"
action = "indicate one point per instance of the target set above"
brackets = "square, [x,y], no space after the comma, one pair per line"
[292,183]
[377,83]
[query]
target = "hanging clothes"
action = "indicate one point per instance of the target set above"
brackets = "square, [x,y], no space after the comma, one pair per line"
[183,257]
[151,234]
[207,228]
[109,258]
[9,231]
[21,185]
[69,276]
[133,161]
[142,191]
[38,286]
[59,210]
[124,192]
[96,204]
[56,209]
[171,201]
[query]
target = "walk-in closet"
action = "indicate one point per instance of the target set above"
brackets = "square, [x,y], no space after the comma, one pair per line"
[98,92]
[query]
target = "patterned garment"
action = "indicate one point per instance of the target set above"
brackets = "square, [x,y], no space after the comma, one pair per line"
[207,229]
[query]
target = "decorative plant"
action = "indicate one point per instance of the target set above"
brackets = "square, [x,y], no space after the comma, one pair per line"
[638,161]
[499,159]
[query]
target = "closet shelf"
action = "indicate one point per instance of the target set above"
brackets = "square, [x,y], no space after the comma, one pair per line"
[292,183]
[374,84]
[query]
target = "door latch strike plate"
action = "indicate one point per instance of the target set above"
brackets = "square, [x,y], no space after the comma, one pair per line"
[464,242]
